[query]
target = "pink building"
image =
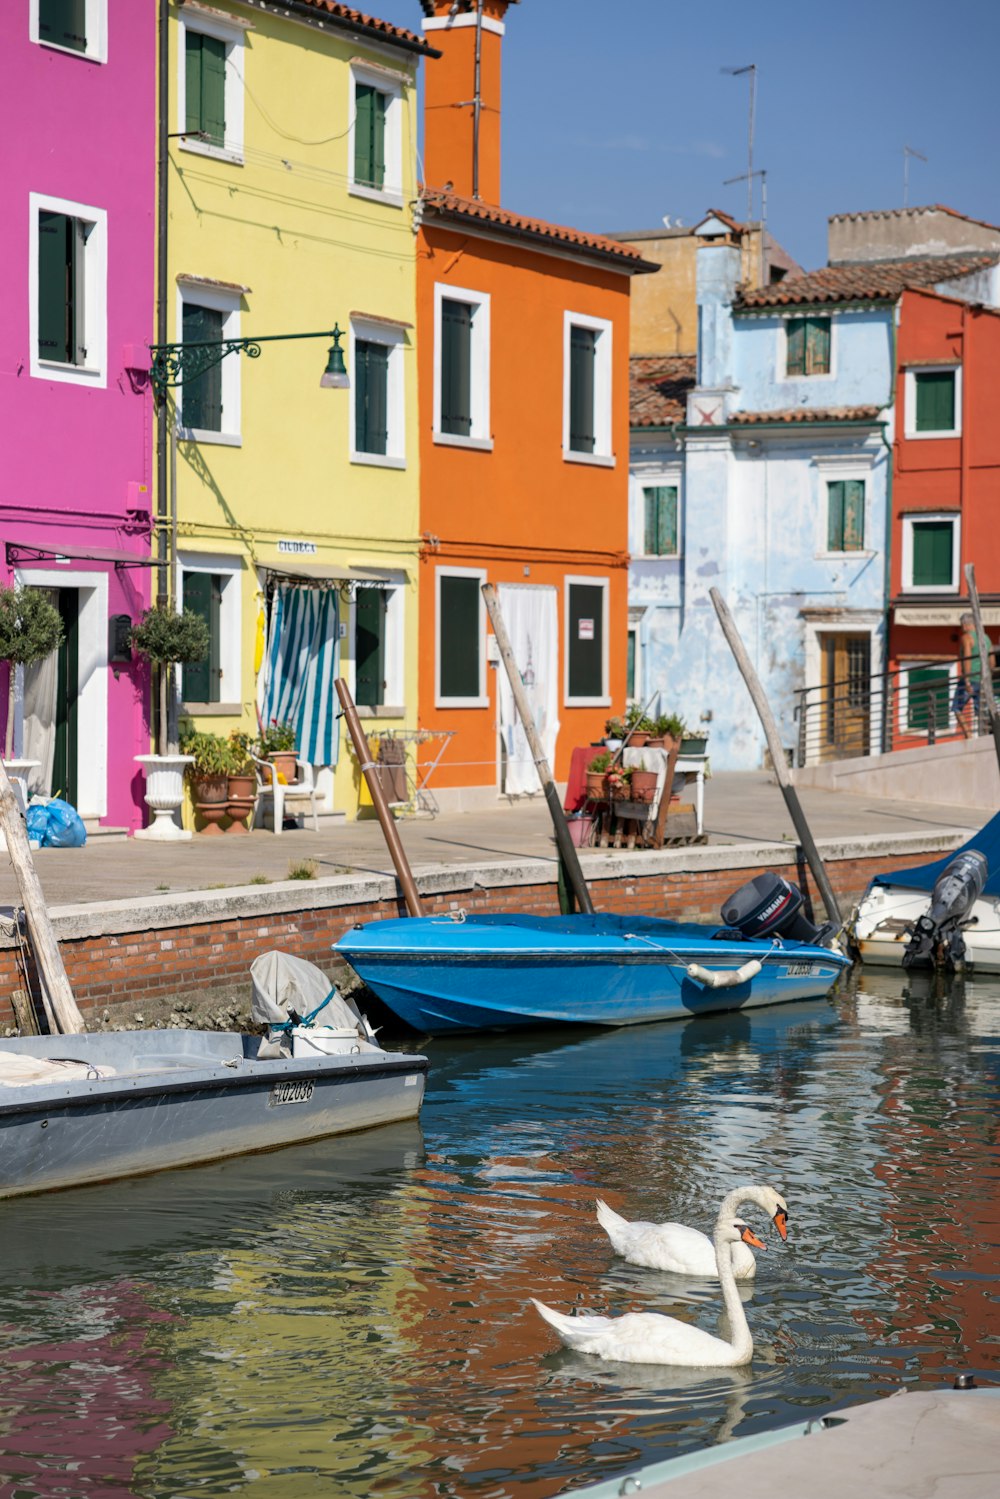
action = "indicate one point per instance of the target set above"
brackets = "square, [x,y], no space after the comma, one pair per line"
[76,314]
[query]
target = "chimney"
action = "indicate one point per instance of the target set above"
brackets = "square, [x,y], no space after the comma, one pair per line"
[461,120]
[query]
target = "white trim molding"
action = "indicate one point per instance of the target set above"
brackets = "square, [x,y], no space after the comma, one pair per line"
[482,701]
[96,23]
[910,401]
[794,314]
[603,454]
[916,518]
[468,18]
[839,622]
[231,569]
[479,377]
[393,337]
[394,697]
[830,470]
[603,700]
[198,294]
[670,477]
[231,31]
[95,293]
[392,85]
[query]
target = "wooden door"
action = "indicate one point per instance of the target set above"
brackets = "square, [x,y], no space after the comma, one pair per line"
[845,719]
[65,756]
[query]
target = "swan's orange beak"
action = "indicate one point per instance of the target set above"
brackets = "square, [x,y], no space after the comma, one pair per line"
[749,1237]
[781,1222]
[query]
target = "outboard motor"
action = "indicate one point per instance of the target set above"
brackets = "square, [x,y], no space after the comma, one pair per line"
[772,907]
[936,938]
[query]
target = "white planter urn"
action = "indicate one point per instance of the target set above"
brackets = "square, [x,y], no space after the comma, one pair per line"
[164,795]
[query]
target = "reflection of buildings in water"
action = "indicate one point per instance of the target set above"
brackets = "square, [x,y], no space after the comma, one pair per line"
[86,1400]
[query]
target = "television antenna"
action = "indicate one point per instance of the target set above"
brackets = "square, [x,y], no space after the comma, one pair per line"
[762,174]
[908,151]
[750,69]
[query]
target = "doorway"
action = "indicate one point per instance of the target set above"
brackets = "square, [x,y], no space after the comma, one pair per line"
[51,706]
[845,713]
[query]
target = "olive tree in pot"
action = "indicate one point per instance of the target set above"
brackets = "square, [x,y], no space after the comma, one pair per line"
[167,639]
[30,630]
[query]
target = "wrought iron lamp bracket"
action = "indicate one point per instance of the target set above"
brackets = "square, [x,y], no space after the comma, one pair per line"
[172,364]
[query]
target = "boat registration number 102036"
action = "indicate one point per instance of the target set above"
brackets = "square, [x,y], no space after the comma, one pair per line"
[290,1093]
[799,970]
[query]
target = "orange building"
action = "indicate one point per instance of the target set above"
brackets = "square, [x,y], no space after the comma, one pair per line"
[523,347]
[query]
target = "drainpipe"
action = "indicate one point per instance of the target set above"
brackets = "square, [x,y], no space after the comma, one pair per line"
[477,102]
[163,163]
[887,565]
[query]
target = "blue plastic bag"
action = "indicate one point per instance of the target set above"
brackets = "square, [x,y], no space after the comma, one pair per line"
[63,825]
[38,822]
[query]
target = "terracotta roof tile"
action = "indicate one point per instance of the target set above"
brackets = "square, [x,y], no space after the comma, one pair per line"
[864,281]
[658,388]
[896,213]
[338,12]
[805,414]
[471,210]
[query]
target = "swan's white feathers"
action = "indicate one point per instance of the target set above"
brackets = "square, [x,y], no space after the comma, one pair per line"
[639,1338]
[686,1251]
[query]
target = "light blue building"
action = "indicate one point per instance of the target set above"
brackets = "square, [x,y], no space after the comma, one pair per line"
[763,472]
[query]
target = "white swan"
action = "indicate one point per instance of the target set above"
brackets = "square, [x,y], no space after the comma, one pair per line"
[687,1251]
[650,1338]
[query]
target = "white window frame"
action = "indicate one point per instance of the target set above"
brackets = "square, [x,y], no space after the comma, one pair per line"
[667,480]
[910,426]
[232,32]
[440,701]
[231,570]
[395,611]
[904,729]
[480,436]
[369,330]
[390,84]
[603,454]
[97,31]
[781,357]
[229,303]
[95,294]
[830,471]
[604,700]
[635,629]
[908,585]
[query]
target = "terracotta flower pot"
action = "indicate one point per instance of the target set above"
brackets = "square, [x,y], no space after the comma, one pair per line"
[638,739]
[595,786]
[655,741]
[242,787]
[285,763]
[643,785]
[210,789]
[240,809]
[212,814]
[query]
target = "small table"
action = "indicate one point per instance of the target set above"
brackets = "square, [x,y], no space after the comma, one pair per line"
[695,766]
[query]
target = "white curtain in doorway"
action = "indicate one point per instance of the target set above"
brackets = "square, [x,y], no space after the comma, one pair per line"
[532,618]
[40,683]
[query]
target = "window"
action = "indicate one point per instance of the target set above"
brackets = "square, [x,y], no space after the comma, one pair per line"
[203,596]
[209,403]
[928,693]
[807,346]
[78,26]
[845,511]
[376,127]
[930,553]
[68,290]
[461,657]
[461,369]
[660,520]
[379,421]
[210,85]
[933,402]
[210,586]
[586,642]
[587,390]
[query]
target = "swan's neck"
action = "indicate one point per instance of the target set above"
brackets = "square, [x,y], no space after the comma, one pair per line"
[733,1200]
[741,1340]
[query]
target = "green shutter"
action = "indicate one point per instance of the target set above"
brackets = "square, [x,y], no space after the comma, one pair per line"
[456,368]
[817,346]
[359,381]
[201,397]
[927,693]
[192,80]
[933,542]
[203,596]
[379,104]
[585,646]
[935,401]
[369,647]
[795,359]
[845,515]
[56,287]
[364,111]
[582,358]
[371,392]
[630,666]
[205,87]
[661,521]
[459,643]
[63,23]
[835,515]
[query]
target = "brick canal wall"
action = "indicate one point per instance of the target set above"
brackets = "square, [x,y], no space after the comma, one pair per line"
[150,953]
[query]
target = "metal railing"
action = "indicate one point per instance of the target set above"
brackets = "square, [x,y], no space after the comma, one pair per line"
[921,703]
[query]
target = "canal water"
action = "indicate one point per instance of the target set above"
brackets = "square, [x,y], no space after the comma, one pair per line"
[352,1318]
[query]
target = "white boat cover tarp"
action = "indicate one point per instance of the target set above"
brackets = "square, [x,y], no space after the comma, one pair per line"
[18,1070]
[282,982]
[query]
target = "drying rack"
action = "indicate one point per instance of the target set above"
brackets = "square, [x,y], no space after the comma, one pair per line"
[420,798]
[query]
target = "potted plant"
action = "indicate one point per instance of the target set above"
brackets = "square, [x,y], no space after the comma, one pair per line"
[643,784]
[619,783]
[277,744]
[693,744]
[167,639]
[242,779]
[667,728]
[30,629]
[595,776]
[637,726]
[614,732]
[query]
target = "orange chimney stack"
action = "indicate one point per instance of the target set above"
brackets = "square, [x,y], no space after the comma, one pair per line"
[462,96]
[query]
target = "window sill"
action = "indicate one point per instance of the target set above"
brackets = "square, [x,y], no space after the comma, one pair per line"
[923,436]
[380,712]
[656,556]
[452,440]
[595,460]
[218,153]
[376,195]
[55,369]
[69,51]
[862,553]
[213,710]
[220,439]
[586,702]
[461,702]
[941,590]
[378,460]
[786,378]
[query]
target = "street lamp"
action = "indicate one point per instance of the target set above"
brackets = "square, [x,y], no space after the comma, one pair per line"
[174,363]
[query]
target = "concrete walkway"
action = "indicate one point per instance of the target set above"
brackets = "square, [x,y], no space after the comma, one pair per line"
[741,809]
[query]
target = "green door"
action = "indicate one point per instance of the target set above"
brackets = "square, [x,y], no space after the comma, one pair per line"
[64,759]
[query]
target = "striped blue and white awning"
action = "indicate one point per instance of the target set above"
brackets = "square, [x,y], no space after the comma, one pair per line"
[301,666]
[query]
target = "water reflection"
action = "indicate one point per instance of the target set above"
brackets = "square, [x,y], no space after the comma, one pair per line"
[351,1317]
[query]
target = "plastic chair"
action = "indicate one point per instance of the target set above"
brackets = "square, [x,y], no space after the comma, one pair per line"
[276,795]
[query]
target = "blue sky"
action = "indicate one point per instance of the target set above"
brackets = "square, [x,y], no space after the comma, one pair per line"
[616,112]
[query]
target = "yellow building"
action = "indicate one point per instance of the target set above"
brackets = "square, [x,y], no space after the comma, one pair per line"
[293,507]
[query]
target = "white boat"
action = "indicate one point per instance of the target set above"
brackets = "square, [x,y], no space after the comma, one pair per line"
[78,1109]
[942,914]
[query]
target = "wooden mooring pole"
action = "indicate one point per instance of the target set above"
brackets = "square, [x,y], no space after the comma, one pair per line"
[774,744]
[985,672]
[564,843]
[48,958]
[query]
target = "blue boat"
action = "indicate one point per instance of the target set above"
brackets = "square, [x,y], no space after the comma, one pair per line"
[445,974]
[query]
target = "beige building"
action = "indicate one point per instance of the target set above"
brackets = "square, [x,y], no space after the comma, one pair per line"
[664,315]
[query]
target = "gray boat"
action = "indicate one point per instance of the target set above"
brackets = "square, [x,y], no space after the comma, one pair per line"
[78,1109]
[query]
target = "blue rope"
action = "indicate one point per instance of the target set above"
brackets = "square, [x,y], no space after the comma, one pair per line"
[289,1025]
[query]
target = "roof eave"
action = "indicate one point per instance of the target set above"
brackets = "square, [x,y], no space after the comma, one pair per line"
[321,21]
[625,265]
